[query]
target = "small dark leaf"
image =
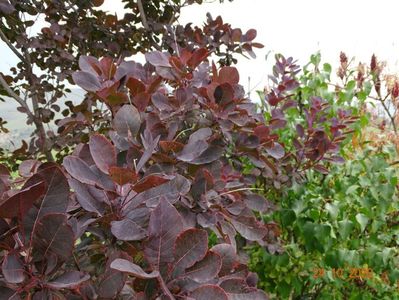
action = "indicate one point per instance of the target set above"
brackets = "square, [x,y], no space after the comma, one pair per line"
[6,7]
[228,256]
[135,86]
[170,190]
[149,182]
[321,169]
[122,175]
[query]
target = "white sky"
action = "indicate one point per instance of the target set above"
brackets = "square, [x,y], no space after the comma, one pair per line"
[297,28]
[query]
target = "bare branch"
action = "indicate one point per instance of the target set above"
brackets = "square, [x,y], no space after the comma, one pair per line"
[11,46]
[142,15]
[12,94]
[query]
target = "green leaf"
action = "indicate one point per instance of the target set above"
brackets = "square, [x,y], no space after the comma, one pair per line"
[332,210]
[345,228]
[352,189]
[327,68]
[350,86]
[362,220]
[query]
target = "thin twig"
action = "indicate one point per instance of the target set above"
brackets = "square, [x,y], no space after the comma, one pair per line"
[12,94]
[11,46]
[142,15]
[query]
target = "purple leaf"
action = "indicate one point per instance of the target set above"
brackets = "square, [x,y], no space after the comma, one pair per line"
[127,121]
[103,152]
[6,7]
[79,170]
[126,266]
[13,269]
[228,256]
[149,149]
[206,269]
[132,227]
[321,169]
[53,236]
[249,228]
[89,64]
[190,247]
[90,198]
[87,81]
[276,151]
[158,59]
[57,196]
[170,190]
[163,229]
[207,292]
[21,202]
[257,202]
[237,289]
[68,280]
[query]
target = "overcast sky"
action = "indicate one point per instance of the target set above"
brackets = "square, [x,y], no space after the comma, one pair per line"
[297,28]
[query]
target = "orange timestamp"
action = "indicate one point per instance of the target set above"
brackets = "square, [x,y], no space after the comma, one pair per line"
[347,273]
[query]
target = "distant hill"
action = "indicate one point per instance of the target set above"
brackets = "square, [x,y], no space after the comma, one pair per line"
[16,121]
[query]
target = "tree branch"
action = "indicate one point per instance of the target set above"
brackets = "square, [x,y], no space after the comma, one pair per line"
[12,94]
[10,45]
[142,15]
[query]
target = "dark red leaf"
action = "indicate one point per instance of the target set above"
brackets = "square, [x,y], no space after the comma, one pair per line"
[197,57]
[122,175]
[229,75]
[249,228]
[250,35]
[141,100]
[135,86]
[149,182]
[229,257]
[79,170]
